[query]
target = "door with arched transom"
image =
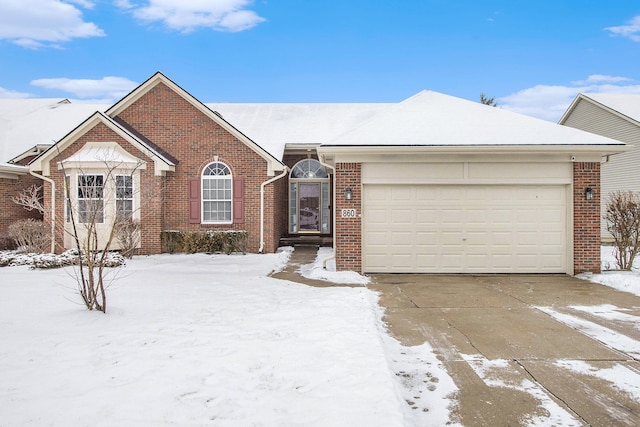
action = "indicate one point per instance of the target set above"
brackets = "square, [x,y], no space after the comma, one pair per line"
[309,198]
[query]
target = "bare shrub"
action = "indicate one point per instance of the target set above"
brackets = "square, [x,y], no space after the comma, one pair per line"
[30,235]
[128,236]
[623,222]
[30,198]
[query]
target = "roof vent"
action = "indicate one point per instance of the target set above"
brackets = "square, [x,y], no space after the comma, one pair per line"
[218,114]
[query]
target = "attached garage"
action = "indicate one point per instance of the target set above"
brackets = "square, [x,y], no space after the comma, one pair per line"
[464,228]
[438,184]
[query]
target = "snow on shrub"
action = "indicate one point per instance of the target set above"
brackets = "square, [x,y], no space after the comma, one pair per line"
[44,261]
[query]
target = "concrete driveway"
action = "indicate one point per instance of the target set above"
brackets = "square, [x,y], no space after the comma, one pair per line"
[524,349]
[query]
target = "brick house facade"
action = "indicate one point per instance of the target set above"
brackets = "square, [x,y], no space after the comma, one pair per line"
[389,198]
[159,123]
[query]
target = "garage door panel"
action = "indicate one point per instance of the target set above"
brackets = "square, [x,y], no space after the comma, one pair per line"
[376,239]
[402,238]
[426,216]
[402,194]
[501,216]
[402,216]
[483,228]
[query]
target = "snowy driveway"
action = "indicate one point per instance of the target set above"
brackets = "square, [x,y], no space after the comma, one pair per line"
[525,350]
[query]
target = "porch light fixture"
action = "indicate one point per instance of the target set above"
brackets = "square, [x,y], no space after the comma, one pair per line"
[348,193]
[588,193]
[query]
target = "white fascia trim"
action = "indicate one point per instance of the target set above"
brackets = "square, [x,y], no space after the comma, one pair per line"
[475,149]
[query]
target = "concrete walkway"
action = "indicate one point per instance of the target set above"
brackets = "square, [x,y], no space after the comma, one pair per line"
[302,255]
[513,343]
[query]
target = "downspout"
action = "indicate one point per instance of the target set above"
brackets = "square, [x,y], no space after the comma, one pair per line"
[262,186]
[53,208]
[333,225]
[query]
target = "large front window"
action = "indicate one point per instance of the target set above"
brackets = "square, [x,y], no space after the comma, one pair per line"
[217,197]
[91,198]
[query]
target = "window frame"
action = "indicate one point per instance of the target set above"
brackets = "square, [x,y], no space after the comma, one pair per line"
[83,217]
[130,197]
[219,173]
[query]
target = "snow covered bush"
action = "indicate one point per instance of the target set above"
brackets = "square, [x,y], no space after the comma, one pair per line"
[623,222]
[44,261]
[30,235]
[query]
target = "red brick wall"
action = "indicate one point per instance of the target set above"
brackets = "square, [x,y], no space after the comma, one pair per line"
[9,211]
[194,140]
[586,218]
[348,231]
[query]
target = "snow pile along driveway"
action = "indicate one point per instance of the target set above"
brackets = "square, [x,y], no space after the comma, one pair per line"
[193,340]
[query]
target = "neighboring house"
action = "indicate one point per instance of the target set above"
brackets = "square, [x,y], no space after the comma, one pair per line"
[431,184]
[615,116]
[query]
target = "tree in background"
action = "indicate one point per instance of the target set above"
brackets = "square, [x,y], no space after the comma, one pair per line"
[488,101]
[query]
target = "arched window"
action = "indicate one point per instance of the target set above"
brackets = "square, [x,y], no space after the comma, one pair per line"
[309,168]
[217,197]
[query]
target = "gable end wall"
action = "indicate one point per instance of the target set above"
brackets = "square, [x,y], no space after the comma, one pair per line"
[194,139]
[150,187]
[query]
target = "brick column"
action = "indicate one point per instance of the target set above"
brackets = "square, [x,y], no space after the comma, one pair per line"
[348,231]
[586,218]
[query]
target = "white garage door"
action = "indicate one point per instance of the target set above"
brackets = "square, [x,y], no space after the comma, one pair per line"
[464,228]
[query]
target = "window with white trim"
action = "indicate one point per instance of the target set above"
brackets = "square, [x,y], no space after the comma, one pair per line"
[124,196]
[91,198]
[217,197]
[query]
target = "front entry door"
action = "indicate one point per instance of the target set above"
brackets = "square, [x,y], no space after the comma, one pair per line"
[309,213]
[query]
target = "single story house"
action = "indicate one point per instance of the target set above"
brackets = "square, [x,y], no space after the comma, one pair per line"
[617,116]
[433,184]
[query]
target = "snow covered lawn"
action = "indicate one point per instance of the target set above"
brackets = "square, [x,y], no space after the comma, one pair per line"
[626,281]
[205,340]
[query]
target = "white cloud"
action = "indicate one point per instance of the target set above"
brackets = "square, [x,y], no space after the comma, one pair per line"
[38,23]
[549,102]
[186,16]
[600,78]
[123,4]
[8,93]
[83,3]
[631,30]
[107,88]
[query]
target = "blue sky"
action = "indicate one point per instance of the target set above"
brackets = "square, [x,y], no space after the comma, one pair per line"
[533,56]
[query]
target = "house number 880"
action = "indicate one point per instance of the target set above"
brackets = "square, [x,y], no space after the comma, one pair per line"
[348,213]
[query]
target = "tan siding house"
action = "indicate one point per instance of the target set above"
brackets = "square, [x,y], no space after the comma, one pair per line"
[615,116]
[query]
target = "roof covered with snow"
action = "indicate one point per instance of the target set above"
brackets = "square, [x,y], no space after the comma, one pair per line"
[272,126]
[624,103]
[25,123]
[434,119]
[426,119]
